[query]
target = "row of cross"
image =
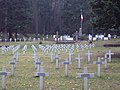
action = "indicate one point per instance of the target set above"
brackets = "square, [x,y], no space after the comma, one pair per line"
[40,70]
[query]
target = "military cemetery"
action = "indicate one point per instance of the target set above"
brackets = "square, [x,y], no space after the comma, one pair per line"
[24,73]
[59,45]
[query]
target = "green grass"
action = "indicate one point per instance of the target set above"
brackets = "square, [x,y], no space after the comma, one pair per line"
[24,72]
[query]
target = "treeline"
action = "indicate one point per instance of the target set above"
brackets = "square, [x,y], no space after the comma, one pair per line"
[22,16]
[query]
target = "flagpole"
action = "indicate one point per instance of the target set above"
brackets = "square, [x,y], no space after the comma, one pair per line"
[81,21]
[81,25]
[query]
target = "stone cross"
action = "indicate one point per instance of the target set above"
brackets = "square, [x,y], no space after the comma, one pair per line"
[3,73]
[24,49]
[15,39]
[41,74]
[10,39]
[38,63]
[105,61]
[79,60]
[80,31]
[99,62]
[70,56]
[57,35]
[51,58]
[105,58]
[85,75]
[109,55]
[17,54]
[34,48]
[13,66]
[57,61]
[35,59]
[66,63]
[13,50]
[88,55]
[76,36]
[3,50]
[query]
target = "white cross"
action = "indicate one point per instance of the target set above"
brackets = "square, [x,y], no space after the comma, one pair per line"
[41,74]
[38,63]
[57,61]
[79,60]
[3,73]
[99,62]
[13,66]
[88,55]
[105,61]
[70,56]
[51,58]
[85,75]
[109,55]
[66,63]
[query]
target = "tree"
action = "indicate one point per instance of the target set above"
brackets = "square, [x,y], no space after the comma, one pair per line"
[106,13]
[71,15]
[16,16]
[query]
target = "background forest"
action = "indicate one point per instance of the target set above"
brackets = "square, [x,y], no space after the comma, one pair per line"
[48,16]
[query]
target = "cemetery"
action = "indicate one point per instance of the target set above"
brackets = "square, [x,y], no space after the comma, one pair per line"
[59,45]
[50,66]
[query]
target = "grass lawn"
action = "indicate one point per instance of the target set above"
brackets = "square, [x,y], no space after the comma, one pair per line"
[24,72]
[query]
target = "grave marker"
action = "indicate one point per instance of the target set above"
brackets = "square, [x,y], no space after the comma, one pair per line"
[88,55]
[10,39]
[24,49]
[105,61]
[38,63]
[13,66]
[109,55]
[52,56]
[85,75]
[70,56]
[57,61]
[76,36]
[41,74]
[15,39]
[99,62]
[79,60]
[3,73]
[66,63]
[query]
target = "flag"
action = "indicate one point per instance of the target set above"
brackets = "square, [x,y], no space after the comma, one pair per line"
[81,17]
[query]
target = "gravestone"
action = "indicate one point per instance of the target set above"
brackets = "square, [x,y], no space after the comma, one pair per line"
[3,73]
[35,59]
[109,36]
[80,32]
[66,63]
[24,39]
[79,60]
[10,39]
[34,48]
[57,36]
[20,39]
[13,63]
[41,74]
[38,63]
[88,55]
[52,56]
[17,56]
[76,36]
[57,61]
[70,55]
[85,75]
[99,62]
[105,58]
[15,39]
[109,55]
[34,39]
